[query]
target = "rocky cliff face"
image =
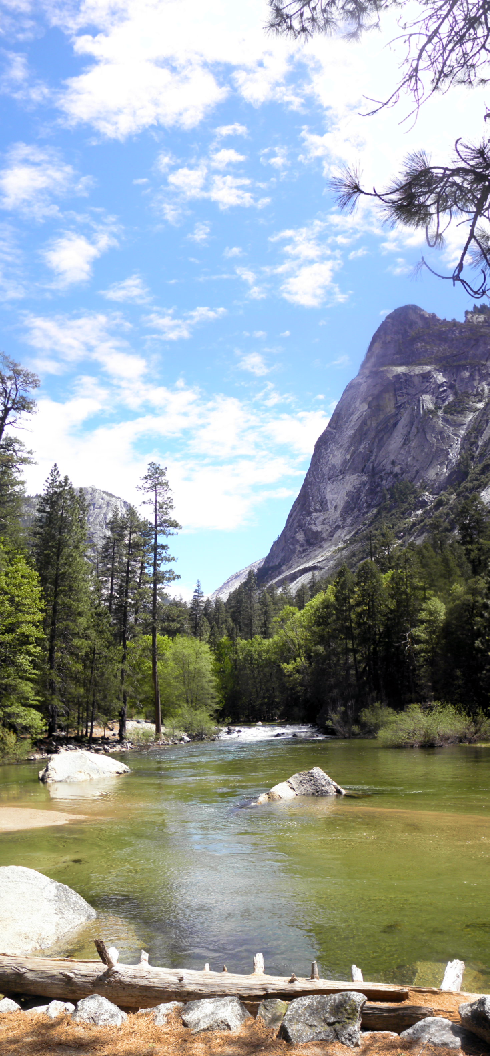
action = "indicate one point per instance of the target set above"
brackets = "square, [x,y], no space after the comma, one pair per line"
[417,410]
[100,507]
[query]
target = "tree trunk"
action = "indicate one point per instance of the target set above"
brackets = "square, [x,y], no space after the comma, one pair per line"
[141,986]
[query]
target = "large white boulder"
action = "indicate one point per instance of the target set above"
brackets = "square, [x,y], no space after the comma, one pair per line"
[37,912]
[81,766]
[314,782]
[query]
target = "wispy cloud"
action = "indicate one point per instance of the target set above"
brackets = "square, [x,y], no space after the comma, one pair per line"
[254,363]
[130,289]
[175,328]
[32,178]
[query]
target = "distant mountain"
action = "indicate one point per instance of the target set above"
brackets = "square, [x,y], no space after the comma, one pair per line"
[235,581]
[412,425]
[100,507]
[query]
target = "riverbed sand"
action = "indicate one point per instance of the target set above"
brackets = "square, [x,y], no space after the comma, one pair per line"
[14,819]
[22,1034]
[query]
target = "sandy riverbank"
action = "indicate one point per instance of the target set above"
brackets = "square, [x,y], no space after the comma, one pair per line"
[14,819]
[25,1035]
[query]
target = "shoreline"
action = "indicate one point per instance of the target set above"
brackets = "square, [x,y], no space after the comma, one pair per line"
[16,819]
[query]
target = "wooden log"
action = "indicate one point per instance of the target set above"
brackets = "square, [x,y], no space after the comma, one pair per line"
[142,986]
[393,1017]
[453,976]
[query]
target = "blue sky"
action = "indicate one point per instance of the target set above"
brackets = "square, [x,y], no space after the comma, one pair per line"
[172,262]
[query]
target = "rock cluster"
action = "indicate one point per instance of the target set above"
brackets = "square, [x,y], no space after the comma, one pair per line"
[320,1017]
[314,782]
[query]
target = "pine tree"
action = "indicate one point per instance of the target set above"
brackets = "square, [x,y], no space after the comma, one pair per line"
[157,489]
[196,611]
[60,538]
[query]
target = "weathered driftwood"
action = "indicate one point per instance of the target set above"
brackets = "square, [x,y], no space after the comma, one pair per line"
[141,986]
[393,1017]
[453,976]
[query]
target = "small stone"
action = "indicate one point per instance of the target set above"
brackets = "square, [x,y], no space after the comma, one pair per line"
[160,1013]
[272,1011]
[333,1017]
[215,1013]
[56,1008]
[7,1005]
[475,1017]
[37,1009]
[435,1030]
[98,1010]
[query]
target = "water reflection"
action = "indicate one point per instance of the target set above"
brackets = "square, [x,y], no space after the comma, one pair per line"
[397,884]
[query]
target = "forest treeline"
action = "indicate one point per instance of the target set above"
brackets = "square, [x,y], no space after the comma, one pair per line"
[90,639]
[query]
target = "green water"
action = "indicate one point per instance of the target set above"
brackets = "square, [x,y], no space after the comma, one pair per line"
[177,862]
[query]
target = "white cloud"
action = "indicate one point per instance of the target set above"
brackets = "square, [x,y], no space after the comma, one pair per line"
[173,328]
[310,265]
[64,340]
[232,130]
[32,177]
[232,251]
[200,233]
[71,256]
[275,156]
[221,158]
[242,453]
[256,292]
[254,363]
[193,182]
[130,289]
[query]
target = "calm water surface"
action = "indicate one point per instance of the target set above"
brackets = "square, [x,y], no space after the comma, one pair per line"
[176,860]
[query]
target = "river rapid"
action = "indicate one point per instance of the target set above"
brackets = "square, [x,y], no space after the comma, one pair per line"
[177,860]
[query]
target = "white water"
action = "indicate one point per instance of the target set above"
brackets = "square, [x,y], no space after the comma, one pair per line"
[248,734]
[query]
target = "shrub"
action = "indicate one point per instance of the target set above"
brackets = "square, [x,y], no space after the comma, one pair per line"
[373,718]
[12,748]
[430,727]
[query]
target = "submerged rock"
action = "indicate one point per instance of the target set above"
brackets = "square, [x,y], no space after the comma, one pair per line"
[79,765]
[215,1013]
[35,911]
[333,1017]
[436,1030]
[98,1010]
[314,782]
[475,1016]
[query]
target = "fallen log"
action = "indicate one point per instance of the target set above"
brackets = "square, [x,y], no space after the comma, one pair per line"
[142,986]
[393,1017]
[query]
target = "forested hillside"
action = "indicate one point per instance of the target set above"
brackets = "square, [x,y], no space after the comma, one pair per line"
[90,638]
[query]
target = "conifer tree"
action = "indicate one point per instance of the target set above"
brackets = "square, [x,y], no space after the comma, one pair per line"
[156,488]
[196,611]
[60,539]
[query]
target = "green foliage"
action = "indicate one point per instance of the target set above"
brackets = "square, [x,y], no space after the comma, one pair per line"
[187,679]
[12,748]
[373,718]
[430,727]
[21,637]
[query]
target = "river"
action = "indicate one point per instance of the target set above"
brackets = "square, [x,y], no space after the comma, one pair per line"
[177,861]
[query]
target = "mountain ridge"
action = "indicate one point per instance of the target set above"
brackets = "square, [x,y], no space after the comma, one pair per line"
[417,413]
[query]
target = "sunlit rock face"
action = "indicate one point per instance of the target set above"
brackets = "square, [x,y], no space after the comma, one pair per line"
[418,406]
[101,505]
